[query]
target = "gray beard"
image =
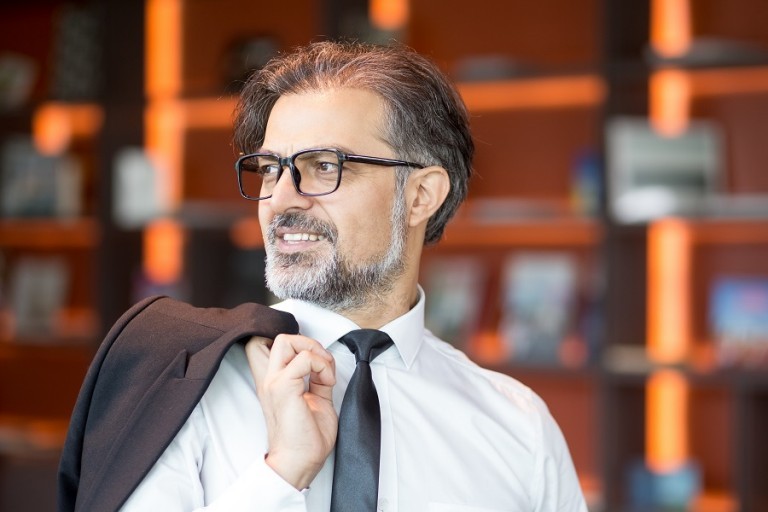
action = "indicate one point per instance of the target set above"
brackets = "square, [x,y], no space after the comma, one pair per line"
[334,282]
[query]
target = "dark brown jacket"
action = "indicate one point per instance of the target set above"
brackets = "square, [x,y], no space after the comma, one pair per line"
[146,378]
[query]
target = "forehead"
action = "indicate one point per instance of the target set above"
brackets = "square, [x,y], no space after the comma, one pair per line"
[351,119]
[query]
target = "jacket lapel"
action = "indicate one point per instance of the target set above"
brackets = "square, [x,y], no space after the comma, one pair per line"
[155,421]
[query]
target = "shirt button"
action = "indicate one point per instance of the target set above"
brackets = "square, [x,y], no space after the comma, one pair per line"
[383,505]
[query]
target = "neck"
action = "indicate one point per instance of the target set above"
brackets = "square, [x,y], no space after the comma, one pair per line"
[382,309]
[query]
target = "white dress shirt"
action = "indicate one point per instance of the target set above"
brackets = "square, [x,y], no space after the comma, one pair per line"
[454,436]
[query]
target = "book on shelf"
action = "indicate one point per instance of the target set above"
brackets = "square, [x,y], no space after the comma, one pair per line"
[18,74]
[455,291]
[586,183]
[77,54]
[37,185]
[38,290]
[655,175]
[538,306]
[673,488]
[738,316]
[139,188]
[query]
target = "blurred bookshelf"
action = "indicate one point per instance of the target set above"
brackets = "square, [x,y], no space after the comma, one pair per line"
[542,81]
[65,107]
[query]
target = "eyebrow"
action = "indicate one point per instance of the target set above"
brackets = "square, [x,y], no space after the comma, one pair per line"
[340,147]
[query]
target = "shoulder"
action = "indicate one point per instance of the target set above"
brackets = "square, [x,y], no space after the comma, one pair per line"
[498,401]
[445,358]
[506,412]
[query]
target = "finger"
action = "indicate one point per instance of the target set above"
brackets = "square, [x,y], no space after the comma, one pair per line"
[322,386]
[309,364]
[287,346]
[257,353]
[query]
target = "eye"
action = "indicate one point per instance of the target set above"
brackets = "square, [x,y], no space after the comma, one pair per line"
[319,164]
[267,170]
[325,167]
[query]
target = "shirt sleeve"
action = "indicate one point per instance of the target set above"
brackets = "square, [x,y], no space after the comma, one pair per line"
[556,484]
[174,483]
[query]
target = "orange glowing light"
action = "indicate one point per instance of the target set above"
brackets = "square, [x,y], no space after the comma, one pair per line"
[164,117]
[488,348]
[666,421]
[670,101]
[56,124]
[389,14]
[209,113]
[164,123]
[670,27]
[245,233]
[163,251]
[163,42]
[668,329]
[51,129]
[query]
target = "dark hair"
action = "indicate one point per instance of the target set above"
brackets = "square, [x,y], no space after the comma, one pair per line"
[426,120]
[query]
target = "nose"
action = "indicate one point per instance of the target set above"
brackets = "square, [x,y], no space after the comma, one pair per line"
[285,196]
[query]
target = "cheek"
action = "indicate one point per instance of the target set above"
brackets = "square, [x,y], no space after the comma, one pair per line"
[265,217]
[370,232]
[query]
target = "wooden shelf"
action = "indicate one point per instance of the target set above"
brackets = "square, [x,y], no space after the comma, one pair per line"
[553,370]
[533,93]
[193,113]
[727,81]
[713,501]
[51,348]
[549,232]
[81,233]
[585,90]
[729,232]
[32,435]
[631,363]
[57,341]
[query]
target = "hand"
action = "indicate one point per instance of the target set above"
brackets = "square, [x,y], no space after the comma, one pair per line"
[301,421]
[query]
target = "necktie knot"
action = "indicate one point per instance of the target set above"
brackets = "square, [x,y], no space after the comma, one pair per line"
[366,344]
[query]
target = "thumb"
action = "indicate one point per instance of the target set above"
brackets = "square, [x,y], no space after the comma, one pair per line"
[257,353]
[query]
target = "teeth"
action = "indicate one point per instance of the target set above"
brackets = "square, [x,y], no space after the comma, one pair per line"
[299,237]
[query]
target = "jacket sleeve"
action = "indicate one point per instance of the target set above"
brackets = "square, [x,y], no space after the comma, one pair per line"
[69,464]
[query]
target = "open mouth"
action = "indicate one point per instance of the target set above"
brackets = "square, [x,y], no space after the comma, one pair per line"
[295,232]
[302,237]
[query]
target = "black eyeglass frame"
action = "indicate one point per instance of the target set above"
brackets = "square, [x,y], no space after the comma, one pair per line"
[290,162]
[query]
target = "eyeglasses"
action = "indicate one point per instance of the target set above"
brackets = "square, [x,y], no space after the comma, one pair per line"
[315,172]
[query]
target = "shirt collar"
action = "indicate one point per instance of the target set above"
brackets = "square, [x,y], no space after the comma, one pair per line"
[327,327]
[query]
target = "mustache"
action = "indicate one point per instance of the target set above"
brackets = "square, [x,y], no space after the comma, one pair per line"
[302,221]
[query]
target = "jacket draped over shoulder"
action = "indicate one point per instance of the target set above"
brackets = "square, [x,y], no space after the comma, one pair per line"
[147,376]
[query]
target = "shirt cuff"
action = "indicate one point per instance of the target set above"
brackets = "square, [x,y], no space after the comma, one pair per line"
[260,488]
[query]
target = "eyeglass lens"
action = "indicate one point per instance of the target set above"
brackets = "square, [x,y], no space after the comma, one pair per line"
[318,173]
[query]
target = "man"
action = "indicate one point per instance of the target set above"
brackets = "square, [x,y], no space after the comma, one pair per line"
[357,156]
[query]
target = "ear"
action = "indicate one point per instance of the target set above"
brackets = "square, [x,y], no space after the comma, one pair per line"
[427,190]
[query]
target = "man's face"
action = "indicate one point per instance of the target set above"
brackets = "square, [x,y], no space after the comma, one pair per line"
[344,249]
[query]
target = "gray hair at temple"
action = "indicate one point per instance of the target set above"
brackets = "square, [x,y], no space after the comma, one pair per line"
[426,120]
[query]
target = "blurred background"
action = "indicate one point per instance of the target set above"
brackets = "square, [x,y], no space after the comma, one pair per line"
[613,254]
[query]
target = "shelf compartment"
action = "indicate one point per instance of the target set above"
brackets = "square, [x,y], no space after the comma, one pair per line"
[82,233]
[26,374]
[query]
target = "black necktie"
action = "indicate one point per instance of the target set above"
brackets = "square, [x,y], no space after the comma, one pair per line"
[358,446]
